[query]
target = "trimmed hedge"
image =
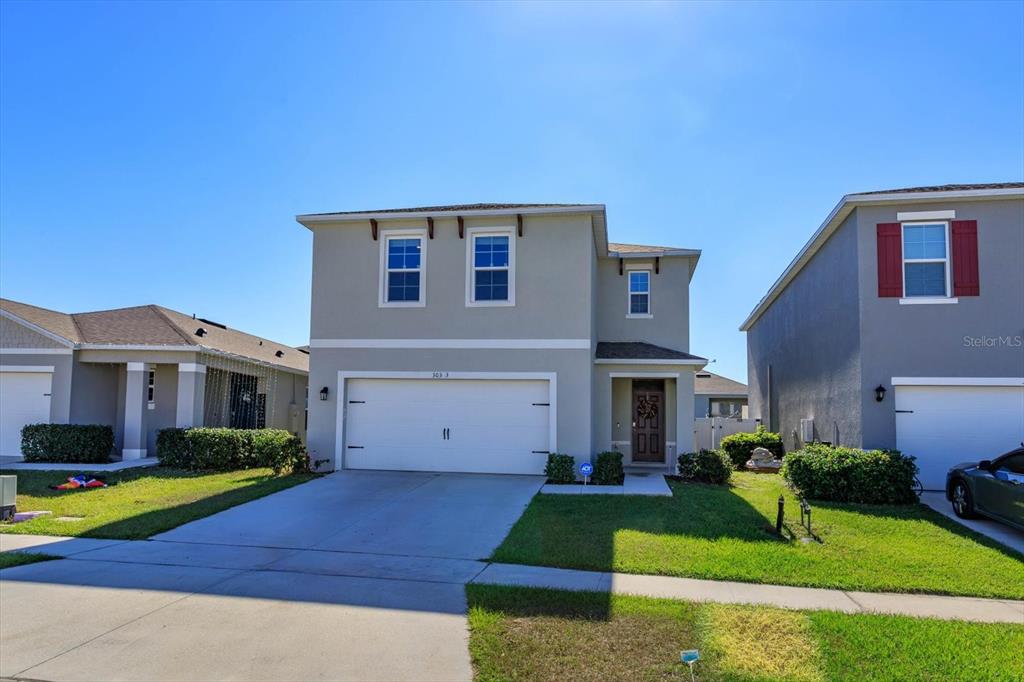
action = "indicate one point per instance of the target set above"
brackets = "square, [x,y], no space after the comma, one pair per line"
[218,449]
[838,474]
[560,468]
[608,468]
[86,443]
[706,466]
[740,446]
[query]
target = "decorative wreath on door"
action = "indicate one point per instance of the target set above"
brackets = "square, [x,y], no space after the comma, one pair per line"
[646,409]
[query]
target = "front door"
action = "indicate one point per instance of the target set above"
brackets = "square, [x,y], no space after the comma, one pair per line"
[649,421]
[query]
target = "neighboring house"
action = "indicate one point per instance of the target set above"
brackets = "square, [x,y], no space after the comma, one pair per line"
[480,338]
[139,370]
[900,325]
[718,396]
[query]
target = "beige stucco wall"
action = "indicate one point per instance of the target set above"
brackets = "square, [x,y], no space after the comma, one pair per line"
[670,303]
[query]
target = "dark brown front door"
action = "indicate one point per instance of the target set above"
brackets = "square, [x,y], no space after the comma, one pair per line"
[649,421]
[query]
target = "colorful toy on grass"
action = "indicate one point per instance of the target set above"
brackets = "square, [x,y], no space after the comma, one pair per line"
[80,481]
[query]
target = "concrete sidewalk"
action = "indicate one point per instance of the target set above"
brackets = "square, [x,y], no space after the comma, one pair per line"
[633,484]
[783,596]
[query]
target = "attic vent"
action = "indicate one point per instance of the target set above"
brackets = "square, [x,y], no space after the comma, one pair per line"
[201,332]
[279,354]
[215,324]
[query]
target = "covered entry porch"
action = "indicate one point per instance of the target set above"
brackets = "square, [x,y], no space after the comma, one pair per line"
[643,403]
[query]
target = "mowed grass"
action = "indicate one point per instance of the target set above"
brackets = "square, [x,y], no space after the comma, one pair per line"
[727,533]
[534,634]
[138,503]
[12,559]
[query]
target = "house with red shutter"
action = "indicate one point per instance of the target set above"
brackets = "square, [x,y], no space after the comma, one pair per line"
[900,325]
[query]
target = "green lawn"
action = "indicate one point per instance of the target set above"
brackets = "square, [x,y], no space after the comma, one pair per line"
[138,503]
[727,533]
[530,634]
[12,559]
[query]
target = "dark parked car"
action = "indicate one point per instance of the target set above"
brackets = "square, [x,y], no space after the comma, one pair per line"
[993,488]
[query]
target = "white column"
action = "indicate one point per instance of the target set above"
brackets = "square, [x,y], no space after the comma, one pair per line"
[134,412]
[191,395]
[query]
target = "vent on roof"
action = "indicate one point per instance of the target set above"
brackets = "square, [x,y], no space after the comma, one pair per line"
[201,332]
[279,354]
[215,324]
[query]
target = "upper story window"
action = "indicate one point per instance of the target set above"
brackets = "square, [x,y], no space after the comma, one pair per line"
[490,267]
[403,280]
[925,260]
[639,293]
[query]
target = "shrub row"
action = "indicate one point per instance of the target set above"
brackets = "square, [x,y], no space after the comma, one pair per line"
[86,443]
[740,446]
[607,469]
[706,466]
[838,474]
[218,449]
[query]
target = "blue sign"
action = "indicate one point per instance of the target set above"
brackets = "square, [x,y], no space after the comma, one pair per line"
[586,468]
[690,656]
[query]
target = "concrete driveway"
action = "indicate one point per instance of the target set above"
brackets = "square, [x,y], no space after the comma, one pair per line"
[357,575]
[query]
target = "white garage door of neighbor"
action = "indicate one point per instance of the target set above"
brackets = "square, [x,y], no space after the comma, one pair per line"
[945,425]
[468,425]
[24,399]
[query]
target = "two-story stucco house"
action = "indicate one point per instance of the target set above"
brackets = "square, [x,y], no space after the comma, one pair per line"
[479,338]
[900,325]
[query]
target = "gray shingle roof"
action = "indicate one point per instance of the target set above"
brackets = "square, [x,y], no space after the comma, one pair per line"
[639,248]
[153,325]
[638,350]
[709,383]
[948,188]
[451,208]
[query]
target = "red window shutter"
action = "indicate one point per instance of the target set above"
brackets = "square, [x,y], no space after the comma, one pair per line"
[890,260]
[965,258]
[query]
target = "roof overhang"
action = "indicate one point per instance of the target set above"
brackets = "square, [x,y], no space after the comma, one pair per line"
[843,209]
[309,220]
[698,362]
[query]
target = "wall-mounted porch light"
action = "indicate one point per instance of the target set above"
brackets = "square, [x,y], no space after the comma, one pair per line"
[323,393]
[880,393]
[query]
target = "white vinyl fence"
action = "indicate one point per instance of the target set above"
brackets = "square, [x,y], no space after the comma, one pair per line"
[709,431]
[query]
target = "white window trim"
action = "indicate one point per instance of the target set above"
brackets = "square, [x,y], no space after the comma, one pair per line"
[497,231]
[947,262]
[650,298]
[382,286]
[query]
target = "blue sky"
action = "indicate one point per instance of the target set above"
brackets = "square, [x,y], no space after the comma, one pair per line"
[158,153]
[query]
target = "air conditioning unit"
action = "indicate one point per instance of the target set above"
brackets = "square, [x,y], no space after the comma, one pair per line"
[807,430]
[8,495]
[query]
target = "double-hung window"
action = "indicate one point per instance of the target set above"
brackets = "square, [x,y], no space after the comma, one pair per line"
[402,276]
[490,272]
[639,293]
[925,260]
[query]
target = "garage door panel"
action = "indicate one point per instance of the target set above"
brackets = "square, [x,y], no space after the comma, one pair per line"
[24,399]
[493,426]
[944,425]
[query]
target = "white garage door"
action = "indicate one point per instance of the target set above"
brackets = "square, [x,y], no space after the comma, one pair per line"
[24,399]
[945,425]
[470,425]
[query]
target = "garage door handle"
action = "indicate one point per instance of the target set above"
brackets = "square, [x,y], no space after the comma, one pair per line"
[904,412]
[541,452]
[542,404]
[355,447]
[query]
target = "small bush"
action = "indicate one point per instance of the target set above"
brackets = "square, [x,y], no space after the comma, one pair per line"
[838,474]
[739,446]
[86,443]
[608,468]
[560,468]
[217,449]
[706,466]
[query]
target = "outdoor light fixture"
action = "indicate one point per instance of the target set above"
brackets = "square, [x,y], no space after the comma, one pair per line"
[880,393]
[323,393]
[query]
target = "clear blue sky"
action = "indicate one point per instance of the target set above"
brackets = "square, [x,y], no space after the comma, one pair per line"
[159,152]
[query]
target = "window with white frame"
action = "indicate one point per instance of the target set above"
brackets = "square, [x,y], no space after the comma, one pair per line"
[639,293]
[151,386]
[402,278]
[490,267]
[925,260]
